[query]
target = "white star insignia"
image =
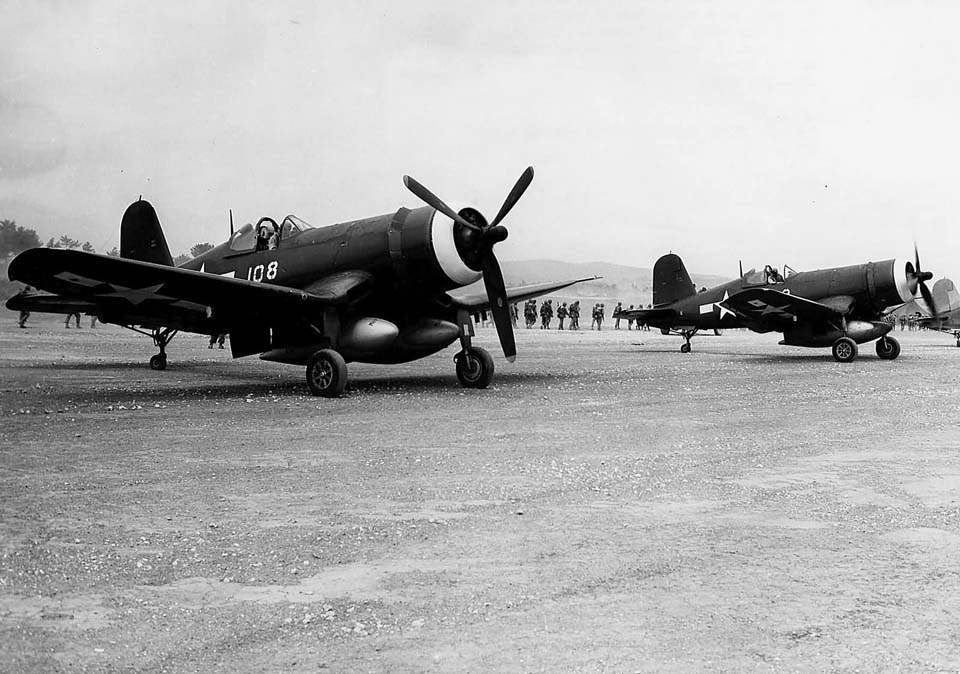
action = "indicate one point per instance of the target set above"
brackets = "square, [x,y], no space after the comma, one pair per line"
[137,295]
[708,308]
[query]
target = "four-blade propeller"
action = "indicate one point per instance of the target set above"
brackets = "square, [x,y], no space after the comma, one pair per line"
[922,277]
[489,235]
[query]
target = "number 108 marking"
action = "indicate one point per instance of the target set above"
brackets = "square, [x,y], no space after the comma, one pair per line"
[259,272]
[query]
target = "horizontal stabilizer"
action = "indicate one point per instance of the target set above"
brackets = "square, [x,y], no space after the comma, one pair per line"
[48,303]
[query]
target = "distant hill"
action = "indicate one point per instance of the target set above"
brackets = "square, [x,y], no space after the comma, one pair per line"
[630,285]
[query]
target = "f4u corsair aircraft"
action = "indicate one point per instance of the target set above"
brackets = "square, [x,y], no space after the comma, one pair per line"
[839,307]
[378,290]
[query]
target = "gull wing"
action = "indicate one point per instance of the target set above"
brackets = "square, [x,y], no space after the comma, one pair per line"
[130,292]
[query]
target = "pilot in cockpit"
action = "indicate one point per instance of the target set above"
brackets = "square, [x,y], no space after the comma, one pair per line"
[773,276]
[267,237]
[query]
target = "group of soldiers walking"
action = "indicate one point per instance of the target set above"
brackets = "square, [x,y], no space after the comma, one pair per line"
[563,311]
[546,314]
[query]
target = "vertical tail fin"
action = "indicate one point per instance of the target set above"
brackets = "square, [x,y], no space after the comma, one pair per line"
[671,281]
[141,237]
[946,296]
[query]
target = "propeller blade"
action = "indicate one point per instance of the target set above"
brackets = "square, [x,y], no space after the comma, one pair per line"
[523,182]
[432,200]
[916,258]
[928,298]
[497,294]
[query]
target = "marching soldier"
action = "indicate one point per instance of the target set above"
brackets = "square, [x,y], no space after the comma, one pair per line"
[616,315]
[561,314]
[546,314]
[530,313]
[630,320]
[574,312]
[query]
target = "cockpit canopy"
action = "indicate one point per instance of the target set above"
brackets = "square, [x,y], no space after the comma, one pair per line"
[769,275]
[245,238]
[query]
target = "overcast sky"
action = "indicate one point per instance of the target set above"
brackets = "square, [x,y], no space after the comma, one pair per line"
[808,133]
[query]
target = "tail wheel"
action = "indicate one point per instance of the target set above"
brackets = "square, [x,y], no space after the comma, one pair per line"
[844,350]
[888,348]
[684,348]
[474,368]
[158,362]
[326,373]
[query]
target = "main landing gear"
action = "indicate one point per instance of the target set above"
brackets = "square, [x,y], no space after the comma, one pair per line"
[326,373]
[474,365]
[888,348]
[845,349]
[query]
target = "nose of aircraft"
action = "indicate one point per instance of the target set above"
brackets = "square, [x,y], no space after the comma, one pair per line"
[482,248]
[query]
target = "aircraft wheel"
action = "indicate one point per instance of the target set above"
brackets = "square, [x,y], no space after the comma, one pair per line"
[158,362]
[684,348]
[326,373]
[718,332]
[844,350]
[474,368]
[888,348]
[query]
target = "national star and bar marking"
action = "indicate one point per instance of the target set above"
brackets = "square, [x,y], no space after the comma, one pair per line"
[708,308]
[138,295]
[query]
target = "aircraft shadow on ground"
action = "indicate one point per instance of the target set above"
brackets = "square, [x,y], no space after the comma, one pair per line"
[226,381]
[784,358]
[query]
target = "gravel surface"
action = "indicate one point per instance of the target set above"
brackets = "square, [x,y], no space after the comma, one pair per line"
[607,505]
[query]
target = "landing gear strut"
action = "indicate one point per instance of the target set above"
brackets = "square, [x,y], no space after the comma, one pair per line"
[474,365]
[161,337]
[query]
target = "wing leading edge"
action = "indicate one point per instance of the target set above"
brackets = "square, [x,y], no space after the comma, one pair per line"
[476,300]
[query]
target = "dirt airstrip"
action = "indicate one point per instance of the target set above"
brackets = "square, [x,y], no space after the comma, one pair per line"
[607,505]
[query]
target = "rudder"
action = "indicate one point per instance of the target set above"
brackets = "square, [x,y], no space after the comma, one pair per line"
[141,237]
[671,282]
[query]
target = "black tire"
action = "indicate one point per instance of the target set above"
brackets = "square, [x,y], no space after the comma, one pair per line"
[844,350]
[684,348]
[474,368]
[888,348]
[327,373]
[158,362]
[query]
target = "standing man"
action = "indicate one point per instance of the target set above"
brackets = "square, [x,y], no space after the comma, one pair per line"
[575,315]
[73,314]
[616,315]
[561,314]
[24,314]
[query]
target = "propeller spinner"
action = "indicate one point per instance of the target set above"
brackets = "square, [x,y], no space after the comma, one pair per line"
[482,238]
